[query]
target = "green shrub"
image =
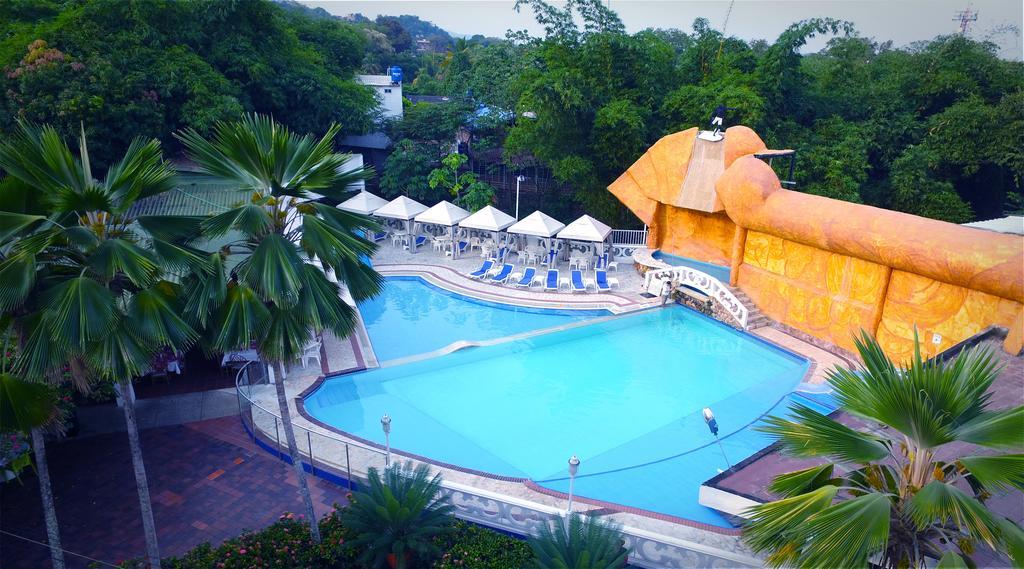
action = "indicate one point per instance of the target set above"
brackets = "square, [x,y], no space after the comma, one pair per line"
[400,513]
[473,547]
[584,543]
[286,544]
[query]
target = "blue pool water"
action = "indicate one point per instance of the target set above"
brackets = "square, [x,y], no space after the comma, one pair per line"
[719,272]
[625,395]
[412,317]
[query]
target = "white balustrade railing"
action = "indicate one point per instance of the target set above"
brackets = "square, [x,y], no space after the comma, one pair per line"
[656,279]
[629,237]
[329,453]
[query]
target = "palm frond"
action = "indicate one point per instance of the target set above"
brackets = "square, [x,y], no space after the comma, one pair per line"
[996,472]
[24,405]
[950,560]
[997,429]
[17,276]
[800,481]
[814,434]
[321,306]
[273,269]
[848,533]
[250,219]
[243,318]
[154,315]
[120,355]
[140,173]
[12,224]
[119,256]
[941,502]
[773,526]
[81,311]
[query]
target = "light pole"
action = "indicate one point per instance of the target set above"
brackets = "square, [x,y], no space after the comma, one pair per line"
[709,418]
[519,179]
[385,423]
[574,467]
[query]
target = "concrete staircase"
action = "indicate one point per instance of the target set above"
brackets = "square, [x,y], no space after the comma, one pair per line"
[755,318]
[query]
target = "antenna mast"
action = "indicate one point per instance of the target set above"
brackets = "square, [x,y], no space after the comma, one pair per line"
[965,17]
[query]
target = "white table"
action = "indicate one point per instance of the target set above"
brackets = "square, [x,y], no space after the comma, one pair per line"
[563,282]
[239,356]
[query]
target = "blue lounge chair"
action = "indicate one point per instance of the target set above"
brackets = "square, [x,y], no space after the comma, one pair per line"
[503,274]
[462,247]
[551,282]
[527,279]
[601,277]
[420,240]
[482,271]
[379,236]
[576,280]
[549,259]
[602,262]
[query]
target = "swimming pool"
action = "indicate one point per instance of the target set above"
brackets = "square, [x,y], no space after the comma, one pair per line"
[412,316]
[624,394]
[719,272]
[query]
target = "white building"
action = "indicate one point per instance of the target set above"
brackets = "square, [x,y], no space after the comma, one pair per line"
[389,93]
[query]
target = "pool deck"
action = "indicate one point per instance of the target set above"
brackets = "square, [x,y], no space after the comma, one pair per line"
[356,353]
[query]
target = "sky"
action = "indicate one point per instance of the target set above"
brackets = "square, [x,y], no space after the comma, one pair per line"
[903,21]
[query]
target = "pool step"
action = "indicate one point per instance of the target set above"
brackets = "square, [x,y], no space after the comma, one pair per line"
[755,318]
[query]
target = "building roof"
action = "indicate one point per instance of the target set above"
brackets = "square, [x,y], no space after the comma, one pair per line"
[1011,224]
[375,140]
[192,199]
[489,218]
[585,228]
[375,80]
[401,207]
[364,202]
[444,213]
[538,224]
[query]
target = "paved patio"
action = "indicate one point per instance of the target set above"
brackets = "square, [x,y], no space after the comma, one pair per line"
[207,480]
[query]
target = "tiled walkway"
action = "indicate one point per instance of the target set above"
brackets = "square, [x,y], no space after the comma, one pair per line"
[207,481]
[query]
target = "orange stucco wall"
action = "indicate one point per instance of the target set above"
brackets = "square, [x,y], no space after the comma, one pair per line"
[832,268]
[694,234]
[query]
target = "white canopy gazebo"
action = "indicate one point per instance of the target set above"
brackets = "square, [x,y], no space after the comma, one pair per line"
[405,209]
[586,228]
[538,224]
[489,219]
[447,214]
[364,202]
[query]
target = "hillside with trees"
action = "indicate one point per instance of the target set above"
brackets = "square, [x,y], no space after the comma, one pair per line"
[935,128]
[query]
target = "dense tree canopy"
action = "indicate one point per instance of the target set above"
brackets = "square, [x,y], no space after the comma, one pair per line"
[933,129]
[150,68]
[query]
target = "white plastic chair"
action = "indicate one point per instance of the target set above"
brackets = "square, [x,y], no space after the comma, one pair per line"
[311,352]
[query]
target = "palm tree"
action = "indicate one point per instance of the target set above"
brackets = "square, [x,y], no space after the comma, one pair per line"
[276,297]
[580,542]
[84,277]
[901,495]
[399,515]
[29,407]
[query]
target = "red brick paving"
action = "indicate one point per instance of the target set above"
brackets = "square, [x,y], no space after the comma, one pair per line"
[207,481]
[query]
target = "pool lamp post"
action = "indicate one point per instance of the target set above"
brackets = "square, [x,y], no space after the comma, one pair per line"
[519,179]
[709,418]
[574,467]
[385,423]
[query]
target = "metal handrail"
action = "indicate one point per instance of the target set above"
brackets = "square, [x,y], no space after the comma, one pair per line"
[629,237]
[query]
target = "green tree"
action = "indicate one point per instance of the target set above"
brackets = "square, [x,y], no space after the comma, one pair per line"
[896,495]
[29,407]
[93,296]
[407,172]
[276,296]
[468,191]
